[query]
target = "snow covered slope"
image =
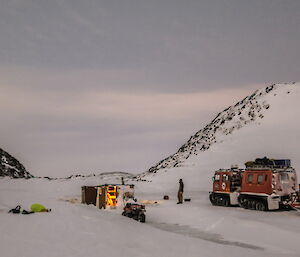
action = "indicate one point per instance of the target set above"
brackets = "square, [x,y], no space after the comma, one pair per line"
[11,167]
[253,109]
[265,123]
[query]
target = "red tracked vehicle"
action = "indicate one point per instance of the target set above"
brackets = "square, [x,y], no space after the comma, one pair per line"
[265,184]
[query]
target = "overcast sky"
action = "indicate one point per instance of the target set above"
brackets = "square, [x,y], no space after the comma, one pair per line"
[93,86]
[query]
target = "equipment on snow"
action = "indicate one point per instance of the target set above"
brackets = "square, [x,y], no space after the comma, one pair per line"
[16,210]
[135,211]
[27,212]
[37,207]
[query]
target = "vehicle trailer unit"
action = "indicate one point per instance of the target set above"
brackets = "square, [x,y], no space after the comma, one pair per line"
[265,184]
[268,187]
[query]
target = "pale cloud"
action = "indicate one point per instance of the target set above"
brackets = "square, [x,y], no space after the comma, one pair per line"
[155,106]
[55,130]
[93,103]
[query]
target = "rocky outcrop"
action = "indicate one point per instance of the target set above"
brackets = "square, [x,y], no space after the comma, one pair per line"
[112,175]
[11,167]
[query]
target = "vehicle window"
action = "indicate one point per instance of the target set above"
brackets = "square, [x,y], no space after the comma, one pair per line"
[250,178]
[224,178]
[284,177]
[217,177]
[260,179]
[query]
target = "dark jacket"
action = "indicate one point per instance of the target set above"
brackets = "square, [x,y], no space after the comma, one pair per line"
[181,185]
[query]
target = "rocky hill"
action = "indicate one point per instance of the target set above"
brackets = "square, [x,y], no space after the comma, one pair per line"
[251,109]
[107,175]
[11,167]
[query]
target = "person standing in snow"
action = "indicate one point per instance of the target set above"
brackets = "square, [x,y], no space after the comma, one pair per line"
[180,192]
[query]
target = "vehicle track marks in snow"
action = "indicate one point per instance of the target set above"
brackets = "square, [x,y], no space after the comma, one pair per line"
[195,233]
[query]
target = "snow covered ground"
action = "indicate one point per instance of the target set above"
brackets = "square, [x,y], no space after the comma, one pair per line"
[194,228]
